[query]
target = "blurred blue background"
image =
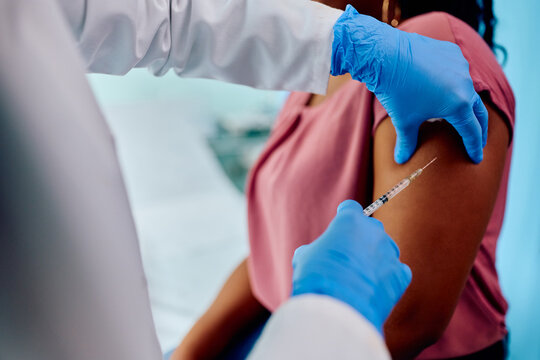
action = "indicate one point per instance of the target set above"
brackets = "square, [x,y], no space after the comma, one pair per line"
[519,246]
[177,138]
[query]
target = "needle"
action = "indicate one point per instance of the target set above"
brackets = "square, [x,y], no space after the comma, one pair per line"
[431,162]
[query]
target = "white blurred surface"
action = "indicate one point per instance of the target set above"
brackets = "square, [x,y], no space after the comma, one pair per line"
[190,218]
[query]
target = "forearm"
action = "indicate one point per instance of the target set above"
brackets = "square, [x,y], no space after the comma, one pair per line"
[251,42]
[234,310]
[407,335]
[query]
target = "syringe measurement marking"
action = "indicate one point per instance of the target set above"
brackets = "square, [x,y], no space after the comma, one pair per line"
[394,191]
[386,197]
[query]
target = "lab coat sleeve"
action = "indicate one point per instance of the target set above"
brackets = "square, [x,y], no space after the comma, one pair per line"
[319,327]
[277,44]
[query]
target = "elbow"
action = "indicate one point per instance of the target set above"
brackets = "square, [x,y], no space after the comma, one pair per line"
[432,333]
[429,337]
[407,344]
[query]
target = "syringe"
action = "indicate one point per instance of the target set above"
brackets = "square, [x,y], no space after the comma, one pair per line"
[394,191]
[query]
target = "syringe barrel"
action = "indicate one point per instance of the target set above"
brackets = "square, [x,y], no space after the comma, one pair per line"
[398,188]
[387,196]
[373,207]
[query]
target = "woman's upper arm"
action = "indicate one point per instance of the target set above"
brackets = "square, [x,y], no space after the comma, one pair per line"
[438,223]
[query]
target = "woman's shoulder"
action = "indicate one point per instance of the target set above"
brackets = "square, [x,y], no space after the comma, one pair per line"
[486,72]
[443,26]
[435,25]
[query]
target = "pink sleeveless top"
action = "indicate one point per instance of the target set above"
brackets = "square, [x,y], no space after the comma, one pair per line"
[319,156]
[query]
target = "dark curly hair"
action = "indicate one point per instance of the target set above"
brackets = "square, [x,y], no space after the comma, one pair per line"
[477,13]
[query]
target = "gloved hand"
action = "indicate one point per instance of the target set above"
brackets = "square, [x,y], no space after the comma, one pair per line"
[414,77]
[354,261]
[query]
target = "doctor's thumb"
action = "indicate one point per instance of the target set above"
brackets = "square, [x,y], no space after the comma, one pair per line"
[349,205]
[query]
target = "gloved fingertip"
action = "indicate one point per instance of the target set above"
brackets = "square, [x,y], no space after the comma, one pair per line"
[298,254]
[408,273]
[406,140]
[470,129]
[482,115]
[300,250]
[349,204]
[401,155]
[398,158]
[476,156]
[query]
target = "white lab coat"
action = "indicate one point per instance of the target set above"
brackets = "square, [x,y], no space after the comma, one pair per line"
[268,44]
[72,283]
[318,327]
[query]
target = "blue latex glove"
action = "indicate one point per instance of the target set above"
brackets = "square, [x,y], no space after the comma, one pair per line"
[354,261]
[414,77]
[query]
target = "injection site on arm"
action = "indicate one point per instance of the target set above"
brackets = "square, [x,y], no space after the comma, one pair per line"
[399,187]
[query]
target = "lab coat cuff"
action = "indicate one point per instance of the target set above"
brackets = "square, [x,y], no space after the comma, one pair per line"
[319,327]
[338,309]
[322,51]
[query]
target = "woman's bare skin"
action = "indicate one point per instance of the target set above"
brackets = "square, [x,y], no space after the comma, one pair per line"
[233,311]
[438,224]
